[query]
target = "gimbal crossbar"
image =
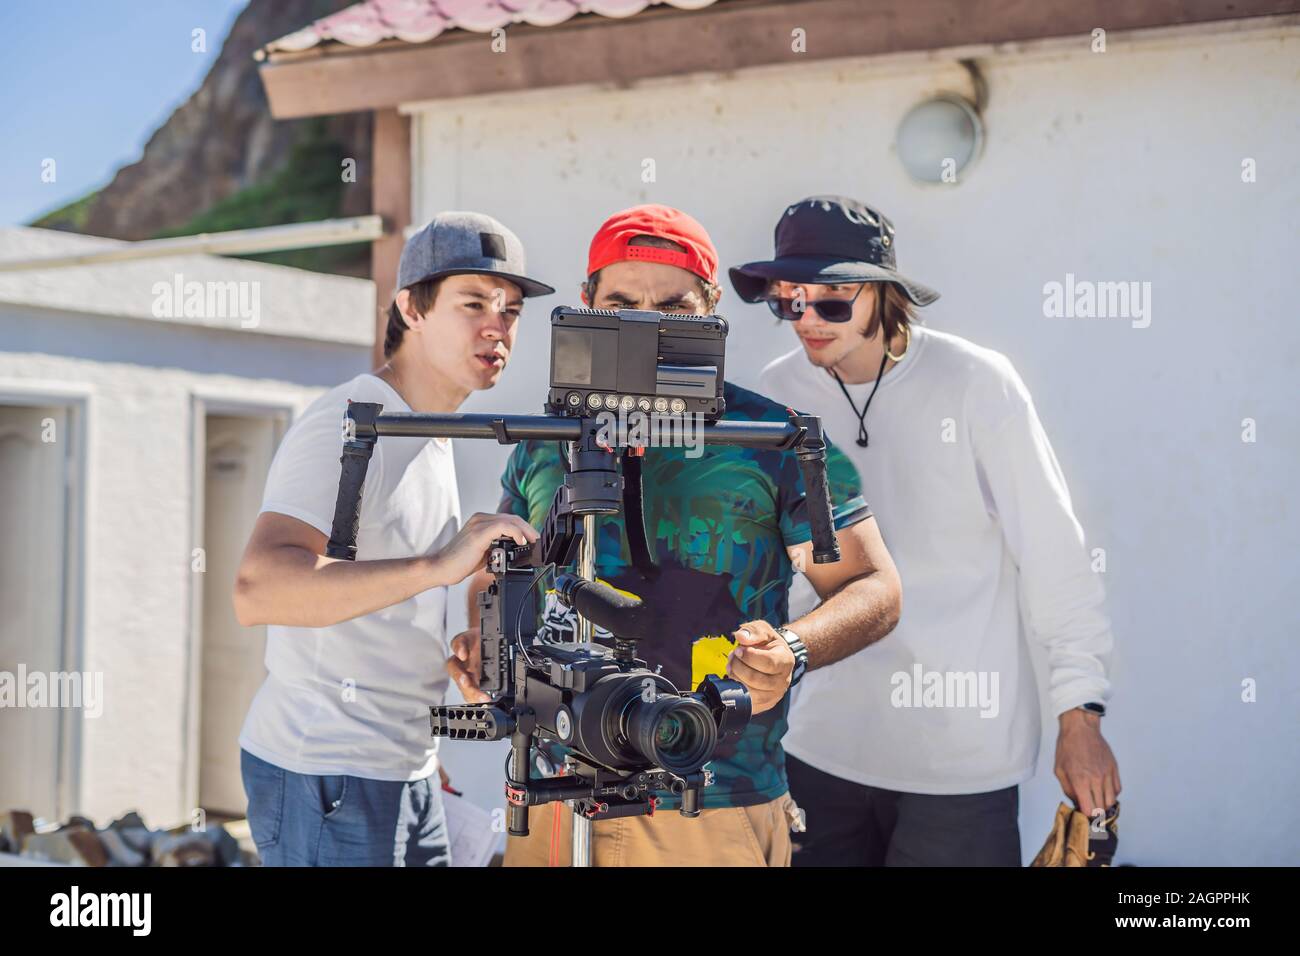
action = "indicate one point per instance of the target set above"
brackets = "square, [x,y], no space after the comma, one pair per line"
[365,423]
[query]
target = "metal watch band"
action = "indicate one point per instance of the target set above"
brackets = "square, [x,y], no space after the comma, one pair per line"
[800,654]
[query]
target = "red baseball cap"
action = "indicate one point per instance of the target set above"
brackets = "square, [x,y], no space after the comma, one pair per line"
[610,244]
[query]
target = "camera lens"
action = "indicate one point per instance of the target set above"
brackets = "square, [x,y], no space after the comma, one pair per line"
[675,733]
[671,732]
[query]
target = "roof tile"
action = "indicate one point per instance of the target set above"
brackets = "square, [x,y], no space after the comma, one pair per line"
[419,21]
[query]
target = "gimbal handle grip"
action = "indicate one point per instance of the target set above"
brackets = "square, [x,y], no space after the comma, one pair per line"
[359,437]
[811,452]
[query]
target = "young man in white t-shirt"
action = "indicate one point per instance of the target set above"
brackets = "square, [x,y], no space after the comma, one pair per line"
[338,762]
[911,751]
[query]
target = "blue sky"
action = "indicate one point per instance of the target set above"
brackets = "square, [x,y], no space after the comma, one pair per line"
[86,82]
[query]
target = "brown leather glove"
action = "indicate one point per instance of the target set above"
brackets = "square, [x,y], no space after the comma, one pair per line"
[1072,841]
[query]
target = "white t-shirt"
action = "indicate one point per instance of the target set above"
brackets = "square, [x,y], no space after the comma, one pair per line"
[354,698]
[972,505]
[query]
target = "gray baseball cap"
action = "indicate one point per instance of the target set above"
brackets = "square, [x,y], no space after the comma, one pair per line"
[457,243]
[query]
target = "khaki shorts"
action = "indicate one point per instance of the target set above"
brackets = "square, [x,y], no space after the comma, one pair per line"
[729,836]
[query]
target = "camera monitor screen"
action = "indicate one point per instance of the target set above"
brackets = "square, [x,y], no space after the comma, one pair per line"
[602,360]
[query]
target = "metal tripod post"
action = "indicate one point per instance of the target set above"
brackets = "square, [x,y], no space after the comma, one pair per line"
[586,571]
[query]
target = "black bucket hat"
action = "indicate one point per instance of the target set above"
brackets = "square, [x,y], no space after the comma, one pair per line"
[829,239]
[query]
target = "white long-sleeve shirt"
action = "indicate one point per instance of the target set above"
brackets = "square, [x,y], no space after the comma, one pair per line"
[974,509]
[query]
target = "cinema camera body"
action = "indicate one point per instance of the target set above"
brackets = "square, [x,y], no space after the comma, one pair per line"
[631,736]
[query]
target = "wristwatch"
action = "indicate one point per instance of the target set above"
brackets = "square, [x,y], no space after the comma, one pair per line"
[1093,707]
[800,654]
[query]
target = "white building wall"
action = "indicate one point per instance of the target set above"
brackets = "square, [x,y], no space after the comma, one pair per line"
[136,534]
[1123,165]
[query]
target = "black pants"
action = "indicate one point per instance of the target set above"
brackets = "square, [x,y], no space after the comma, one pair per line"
[854,825]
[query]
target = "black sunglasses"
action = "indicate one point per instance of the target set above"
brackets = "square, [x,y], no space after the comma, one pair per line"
[832,310]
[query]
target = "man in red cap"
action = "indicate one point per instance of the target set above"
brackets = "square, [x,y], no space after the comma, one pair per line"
[726,528]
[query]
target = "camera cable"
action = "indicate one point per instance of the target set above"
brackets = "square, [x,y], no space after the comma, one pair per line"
[519,612]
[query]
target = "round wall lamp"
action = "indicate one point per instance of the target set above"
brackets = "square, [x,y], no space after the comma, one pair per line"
[938,138]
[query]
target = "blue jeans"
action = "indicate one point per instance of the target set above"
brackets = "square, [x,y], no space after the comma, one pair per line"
[305,820]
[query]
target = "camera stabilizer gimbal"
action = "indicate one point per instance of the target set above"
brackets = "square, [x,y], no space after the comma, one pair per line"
[630,734]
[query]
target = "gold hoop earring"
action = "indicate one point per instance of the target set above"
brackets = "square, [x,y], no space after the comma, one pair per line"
[907,344]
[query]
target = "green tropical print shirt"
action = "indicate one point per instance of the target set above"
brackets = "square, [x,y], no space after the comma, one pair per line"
[718,527]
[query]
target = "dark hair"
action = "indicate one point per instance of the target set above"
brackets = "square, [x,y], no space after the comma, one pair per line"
[423,295]
[893,308]
[709,290]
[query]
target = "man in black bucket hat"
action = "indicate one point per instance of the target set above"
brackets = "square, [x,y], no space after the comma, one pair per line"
[911,752]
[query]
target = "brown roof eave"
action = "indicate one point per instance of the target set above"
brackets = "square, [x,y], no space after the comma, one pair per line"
[665,41]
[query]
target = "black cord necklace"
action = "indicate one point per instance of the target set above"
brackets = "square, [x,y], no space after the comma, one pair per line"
[862,415]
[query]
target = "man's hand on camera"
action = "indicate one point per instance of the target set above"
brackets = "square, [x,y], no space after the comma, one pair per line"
[464,664]
[763,662]
[467,552]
